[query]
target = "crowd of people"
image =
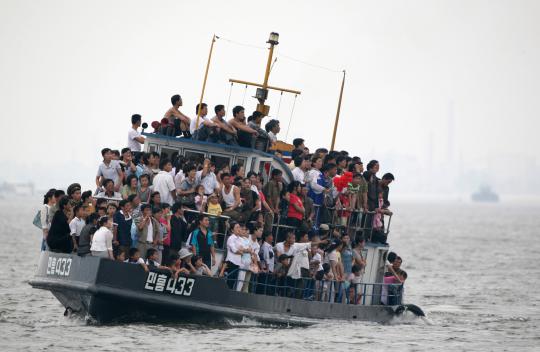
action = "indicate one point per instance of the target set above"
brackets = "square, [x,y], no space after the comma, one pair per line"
[171,215]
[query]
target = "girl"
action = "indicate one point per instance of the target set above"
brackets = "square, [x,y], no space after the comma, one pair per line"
[130,187]
[144,189]
[200,199]
[102,240]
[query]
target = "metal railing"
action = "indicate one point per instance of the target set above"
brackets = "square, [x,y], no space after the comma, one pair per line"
[310,289]
[219,225]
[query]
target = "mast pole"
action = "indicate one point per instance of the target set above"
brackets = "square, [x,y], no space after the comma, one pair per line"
[338,111]
[204,82]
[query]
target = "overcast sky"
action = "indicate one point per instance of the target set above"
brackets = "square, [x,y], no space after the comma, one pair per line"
[418,73]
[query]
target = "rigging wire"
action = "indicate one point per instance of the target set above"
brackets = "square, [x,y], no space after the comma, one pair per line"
[244,98]
[290,119]
[229,100]
[279,105]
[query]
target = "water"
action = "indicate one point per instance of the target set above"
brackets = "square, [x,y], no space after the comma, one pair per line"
[472,268]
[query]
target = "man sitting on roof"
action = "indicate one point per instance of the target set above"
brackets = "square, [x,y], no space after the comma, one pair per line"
[246,134]
[178,122]
[226,132]
[254,122]
[272,128]
[206,129]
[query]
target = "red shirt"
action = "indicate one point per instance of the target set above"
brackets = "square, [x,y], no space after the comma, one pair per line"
[293,213]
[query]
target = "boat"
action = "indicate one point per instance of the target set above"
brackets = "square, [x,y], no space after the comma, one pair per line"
[485,195]
[105,290]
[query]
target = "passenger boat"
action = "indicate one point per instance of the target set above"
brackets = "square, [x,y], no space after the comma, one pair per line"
[107,290]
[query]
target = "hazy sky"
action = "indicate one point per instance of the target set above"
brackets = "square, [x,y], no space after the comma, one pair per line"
[73,72]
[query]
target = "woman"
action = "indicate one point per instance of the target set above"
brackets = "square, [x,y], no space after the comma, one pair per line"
[59,236]
[46,215]
[347,255]
[333,258]
[131,186]
[144,189]
[155,199]
[102,240]
[238,171]
[295,213]
[358,256]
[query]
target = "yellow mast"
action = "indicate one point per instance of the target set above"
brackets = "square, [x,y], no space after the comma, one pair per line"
[204,82]
[338,111]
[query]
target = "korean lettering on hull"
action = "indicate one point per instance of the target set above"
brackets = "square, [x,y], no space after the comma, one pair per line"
[158,282]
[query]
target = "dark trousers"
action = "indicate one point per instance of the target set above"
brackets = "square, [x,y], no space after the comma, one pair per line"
[232,274]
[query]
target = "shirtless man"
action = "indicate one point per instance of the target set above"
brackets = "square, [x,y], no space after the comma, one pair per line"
[177,120]
[246,134]
[226,132]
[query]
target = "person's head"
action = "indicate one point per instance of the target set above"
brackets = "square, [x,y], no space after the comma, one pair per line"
[235,228]
[298,143]
[134,200]
[277,175]
[257,117]
[132,181]
[125,205]
[237,170]
[396,264]
[303,237]
[330,170]
[356,179]
[177,209]
[294,187]
[176,101]
[269,237]
[204,221]
[173,260]
[341,161]
[48,198]
[387,179]
[105,221]
[126,155]
[204,109]
[219,110]
[291,238]
[197,261]
[165,165]
[136,120]
[155,198]
[86,197]
[92,219]
[226,179]
[190,171]
[272,126]
[134,254]
[391,257]
[157,212]
[199,189]
[321,152]
[317,162]
[108,184]
[257,231]
[360,241]
[346,239]
[238,113]
[402,275]
[146,209]
[78,211]
[284,260]
[373,166]
[63,204]
[119,255]
[154,159]
[152,254]
[111,209]
[107,155]
[304,190]
[298,161]
[102,211]
[246,183]
[356,270]
[145,180]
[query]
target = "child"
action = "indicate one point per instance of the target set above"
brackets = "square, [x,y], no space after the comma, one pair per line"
[354,279]
[200,198]
[135,258]
[214,209]
[200,267]
[280,273]
[152,259]
[328,277]
[175,265]
[119,256]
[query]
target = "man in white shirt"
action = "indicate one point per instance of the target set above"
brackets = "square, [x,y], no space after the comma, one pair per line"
[76,224]
[164,183]
[234,254]
[135,140]
[204,129]
[109,169]
[207,177]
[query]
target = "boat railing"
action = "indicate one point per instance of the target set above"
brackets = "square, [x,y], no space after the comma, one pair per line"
[219,225]
[311,289]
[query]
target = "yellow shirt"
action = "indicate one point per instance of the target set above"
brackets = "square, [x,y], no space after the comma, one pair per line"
[214,209]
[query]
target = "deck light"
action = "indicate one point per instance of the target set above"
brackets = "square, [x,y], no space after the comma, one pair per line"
[274,38]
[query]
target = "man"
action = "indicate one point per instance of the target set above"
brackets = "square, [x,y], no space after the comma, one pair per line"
[202,242]
[230,195]
[246,135]
[178,122]
[341,162]
[122,218]
[179,228]
[384,183]
[127,164]
[207,177]
[272,190]
[373,184]
[226,133]
[147,229]
[164,183]
[76,224]
[234,253]
[108,192]
[272,128]
[298,148]
[254,122]
[135,140]
[206,130]
[250,199]
[109,169]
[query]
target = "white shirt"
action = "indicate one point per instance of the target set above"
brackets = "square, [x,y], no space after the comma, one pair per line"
[150,232]
[280,248]
[232,247]
[102,240]
[76,225]
[194,122]
[164,184]
[268,256]
[317,258]
[133,144]
[299,175]
[178,178]
[209,182]
[272,137]
[255,246]
[300,260]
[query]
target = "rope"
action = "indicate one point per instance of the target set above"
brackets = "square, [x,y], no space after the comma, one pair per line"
[228,101]
[244,98]
[279,105]
[309,64]
[242,44]
[292,112]
[273,63]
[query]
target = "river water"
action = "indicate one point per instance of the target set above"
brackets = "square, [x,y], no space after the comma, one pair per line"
[472,268]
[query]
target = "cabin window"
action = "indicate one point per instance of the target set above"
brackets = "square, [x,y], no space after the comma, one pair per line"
[264,170]
[241,161]
[252,168]
[220,161]
[196,157]
[152,148]
[169,153]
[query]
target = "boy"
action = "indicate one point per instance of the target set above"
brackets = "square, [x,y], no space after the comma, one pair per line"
[135,258]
